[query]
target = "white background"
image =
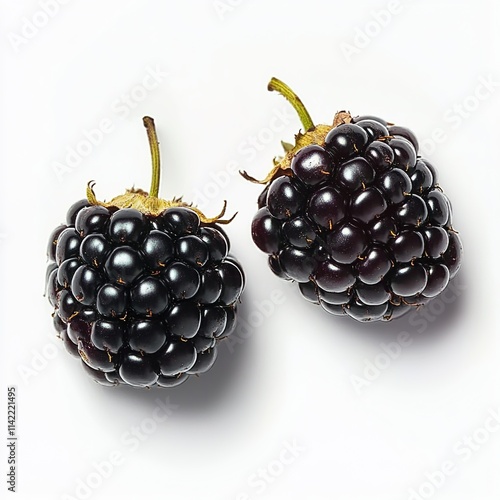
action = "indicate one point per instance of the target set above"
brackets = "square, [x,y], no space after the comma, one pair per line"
[292,379]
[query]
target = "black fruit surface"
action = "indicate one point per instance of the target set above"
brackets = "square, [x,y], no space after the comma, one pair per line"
[355,216]
[135,282]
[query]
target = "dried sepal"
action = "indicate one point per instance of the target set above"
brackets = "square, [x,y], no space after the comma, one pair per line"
[151,205]
[282,165]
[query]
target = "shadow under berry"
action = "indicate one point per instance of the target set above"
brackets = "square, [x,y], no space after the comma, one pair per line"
[427,323]
[208,390]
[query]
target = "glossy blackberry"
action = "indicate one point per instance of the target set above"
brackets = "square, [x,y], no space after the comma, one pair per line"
[356,218]
[143,289]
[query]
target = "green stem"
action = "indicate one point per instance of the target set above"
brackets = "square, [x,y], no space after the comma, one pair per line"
[149,123]
[294,100]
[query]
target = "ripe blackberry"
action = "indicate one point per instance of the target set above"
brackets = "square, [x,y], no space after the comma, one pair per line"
[356,217]
[143,289]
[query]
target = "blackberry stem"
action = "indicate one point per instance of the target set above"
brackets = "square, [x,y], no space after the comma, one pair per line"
[293,99]
[149,123]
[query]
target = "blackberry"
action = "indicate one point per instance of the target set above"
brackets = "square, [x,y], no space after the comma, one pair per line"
[355,217]
[143,289]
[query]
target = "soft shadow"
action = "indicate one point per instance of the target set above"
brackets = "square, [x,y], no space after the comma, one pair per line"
[209,389]
[430,322]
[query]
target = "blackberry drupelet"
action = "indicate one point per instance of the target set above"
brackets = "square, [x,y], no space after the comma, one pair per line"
[143,289]
[355,217]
